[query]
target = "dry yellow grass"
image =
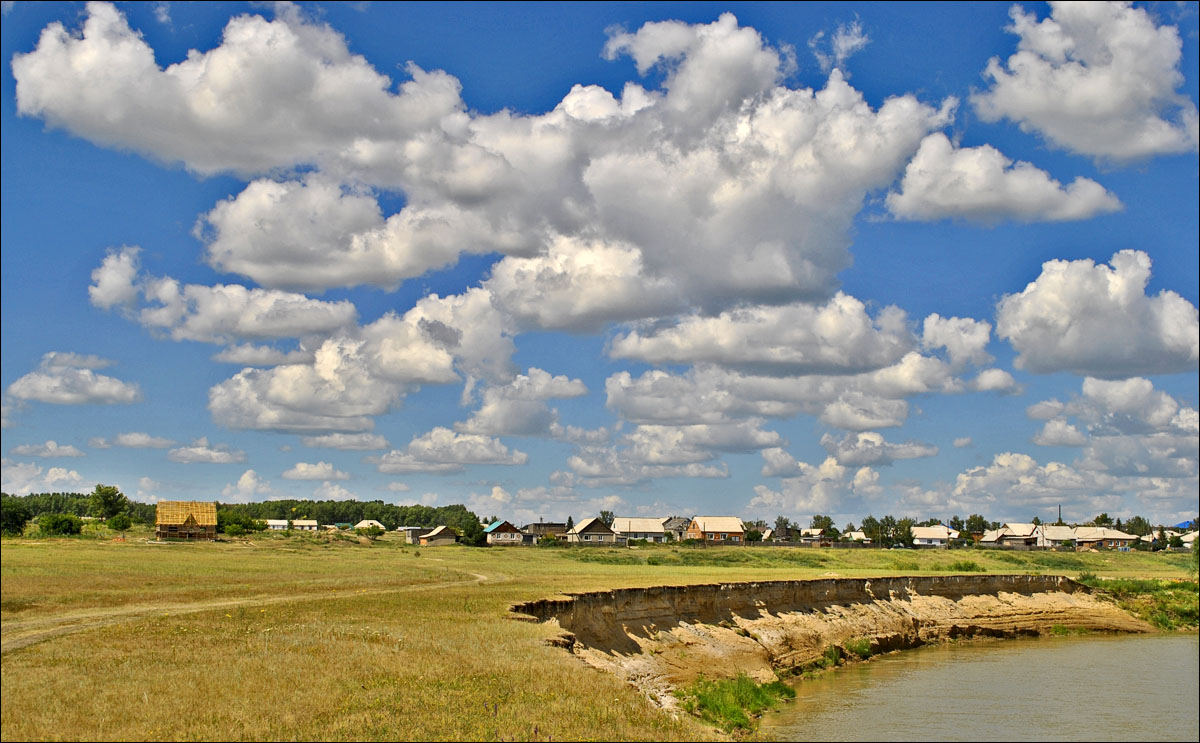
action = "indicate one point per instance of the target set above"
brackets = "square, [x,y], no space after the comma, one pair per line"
[304,639]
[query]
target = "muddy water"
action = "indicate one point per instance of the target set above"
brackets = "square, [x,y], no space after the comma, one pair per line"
[1091,688]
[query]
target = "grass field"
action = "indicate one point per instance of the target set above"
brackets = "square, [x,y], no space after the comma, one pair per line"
[304,638]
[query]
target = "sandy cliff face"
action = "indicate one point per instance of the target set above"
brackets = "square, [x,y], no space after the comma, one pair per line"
[663,637]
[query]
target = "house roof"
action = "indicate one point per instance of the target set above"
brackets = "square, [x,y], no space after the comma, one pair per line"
[173,512]
[440,531]
[593,525]
[1019,530]
[276,522]
[939,531]
[857,536]
[811,532]
[304,522]
[627,524]
[499,527]
[367,524]
[1056,533]
[719,523]
[1097,533]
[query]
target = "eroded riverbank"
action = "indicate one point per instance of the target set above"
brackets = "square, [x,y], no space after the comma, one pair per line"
[662,638]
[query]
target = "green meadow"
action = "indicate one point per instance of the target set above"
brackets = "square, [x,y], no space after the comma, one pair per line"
[319,637]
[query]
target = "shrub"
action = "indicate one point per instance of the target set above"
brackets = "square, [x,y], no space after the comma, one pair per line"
[235,530]
[965,566]
[120,522]
[730,702]
[860,646]
[832,656]
[59,523]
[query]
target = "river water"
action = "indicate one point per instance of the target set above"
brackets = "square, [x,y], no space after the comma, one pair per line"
[1125,687]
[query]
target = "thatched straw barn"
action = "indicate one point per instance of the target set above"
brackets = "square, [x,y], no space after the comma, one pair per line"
[185,519]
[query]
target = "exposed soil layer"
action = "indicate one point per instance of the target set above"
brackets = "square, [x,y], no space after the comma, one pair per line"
[663,637]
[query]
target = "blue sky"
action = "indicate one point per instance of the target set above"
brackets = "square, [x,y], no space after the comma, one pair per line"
[751,259]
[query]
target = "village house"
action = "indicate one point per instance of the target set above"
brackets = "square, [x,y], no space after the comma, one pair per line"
[933,536]
[856,536]
[592,531]
[1058,537]
[368,523]
[676,528]
[440,536]
[1014,536]
[534,532]
[717,529]
[277,524]
[304,525]
[190,520]
[503,533]
[1101,537]
[812,536]
[640,528]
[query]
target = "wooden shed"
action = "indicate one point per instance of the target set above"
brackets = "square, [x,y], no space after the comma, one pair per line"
[185,519]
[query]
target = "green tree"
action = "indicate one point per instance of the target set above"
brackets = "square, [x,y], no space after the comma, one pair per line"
[871,528]
[976,524]
[570,523]
[14,514]
[1138,526]
[1103,520]
[107,501]
[821,522]
[121,522]
[754,535]
[608,517]
[903,532]
[957,524]
[782,527]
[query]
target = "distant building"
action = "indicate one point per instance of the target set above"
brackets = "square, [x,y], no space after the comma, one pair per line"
[185,519]
[592,531]
[717,529]
[933,536]
[503,533]
[534,532]
[276,524]
[412,534]
[304,525]
[368,523]
[651,530]
[440,536]
[676,528]
[1100,537]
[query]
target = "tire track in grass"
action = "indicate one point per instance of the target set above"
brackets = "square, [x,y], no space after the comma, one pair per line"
[17,634]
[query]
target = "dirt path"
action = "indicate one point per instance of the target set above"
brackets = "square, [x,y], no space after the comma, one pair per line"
[17,634]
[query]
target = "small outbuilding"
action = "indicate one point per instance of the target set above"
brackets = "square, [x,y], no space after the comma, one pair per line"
[185,519]
[441,535]
[368,523]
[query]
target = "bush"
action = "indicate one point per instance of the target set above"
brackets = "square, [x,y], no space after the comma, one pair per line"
[235,530]
[120,522]
[965,566]
[730,702]
[59,524]
[860,646]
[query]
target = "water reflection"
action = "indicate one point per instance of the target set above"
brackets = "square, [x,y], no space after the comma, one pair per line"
[1092,688]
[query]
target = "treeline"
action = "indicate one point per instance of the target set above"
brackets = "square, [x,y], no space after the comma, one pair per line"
[457,517]
[72,504]
[107,502]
